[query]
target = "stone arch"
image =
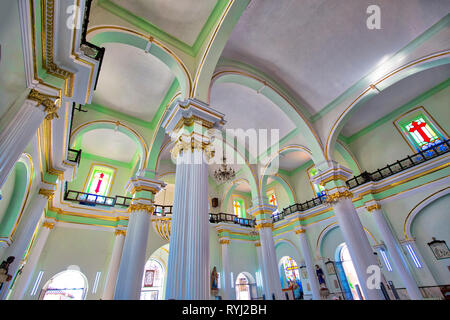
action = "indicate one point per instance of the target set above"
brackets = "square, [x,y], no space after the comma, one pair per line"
[387,80]
[331,227]
[275,155]
[272,93]
[112,125]
[419,207]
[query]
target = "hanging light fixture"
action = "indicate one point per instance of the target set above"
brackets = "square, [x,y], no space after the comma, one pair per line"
[224,173]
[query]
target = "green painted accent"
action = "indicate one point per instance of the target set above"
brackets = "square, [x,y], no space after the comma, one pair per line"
[153,30]
[119,115]
[15,203]
[413,103]
[85,220]
[437,27]
[96,158]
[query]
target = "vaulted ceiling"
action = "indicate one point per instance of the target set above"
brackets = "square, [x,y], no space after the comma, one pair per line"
[314,49]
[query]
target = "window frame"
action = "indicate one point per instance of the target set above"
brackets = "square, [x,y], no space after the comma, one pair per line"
[403,120]
[90,176]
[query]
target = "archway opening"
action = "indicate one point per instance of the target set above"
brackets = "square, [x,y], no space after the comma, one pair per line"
[152,281]
[245,287]
[66,285]
[347,274]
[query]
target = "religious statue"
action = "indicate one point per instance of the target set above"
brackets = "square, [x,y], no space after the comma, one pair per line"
[214,282]
[320,275]
[4,266]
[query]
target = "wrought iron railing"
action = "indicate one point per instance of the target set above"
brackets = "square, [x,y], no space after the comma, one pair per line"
[389,170]
[74,155]
[89,198]
[90,49]
[231,218]
[400,165]
[298,207]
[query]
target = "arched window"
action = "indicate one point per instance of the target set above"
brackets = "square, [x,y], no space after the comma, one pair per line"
[292,273]
[66,285]
[350,272]
[152,281]
[243,291]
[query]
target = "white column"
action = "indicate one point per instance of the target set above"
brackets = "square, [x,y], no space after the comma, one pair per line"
[20,129]
[27,271]
[25,232]
[261,265]
[114,264]
[132,262]
[188,266]
[306,251]
[395,253]
[188,271]
[272,274]
[356,241]
[131,270]
[225,243]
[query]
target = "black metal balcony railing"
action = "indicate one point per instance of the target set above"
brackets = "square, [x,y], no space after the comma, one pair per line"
[298,207]
[89,198]
[389,170]
[74,155]
[225,217]
[400,165]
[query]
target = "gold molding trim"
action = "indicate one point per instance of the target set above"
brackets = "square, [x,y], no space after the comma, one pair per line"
[264,225]
[47,193]
[337,196]
[149,208]
[48,225]
[120,233]
[224,241]
[373,207]
[50,106]
[194,144]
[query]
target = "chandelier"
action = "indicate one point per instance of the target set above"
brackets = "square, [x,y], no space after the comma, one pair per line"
[224,173]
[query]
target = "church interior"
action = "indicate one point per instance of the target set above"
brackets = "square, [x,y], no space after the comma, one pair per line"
[224,150]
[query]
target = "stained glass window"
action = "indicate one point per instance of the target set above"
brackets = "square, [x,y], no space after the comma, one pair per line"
[423,135]
[291,269]
[100,180]
[238,208]
[272,198]
[318,189]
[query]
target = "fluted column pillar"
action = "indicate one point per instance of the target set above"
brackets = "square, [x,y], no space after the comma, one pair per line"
[21,128]
[114,264]
[306,252]
[395,252]
[271,274]
[132,262]
[25,231]
[27,271]
[188,267]
[262,271]
[340,198]
[225,243]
